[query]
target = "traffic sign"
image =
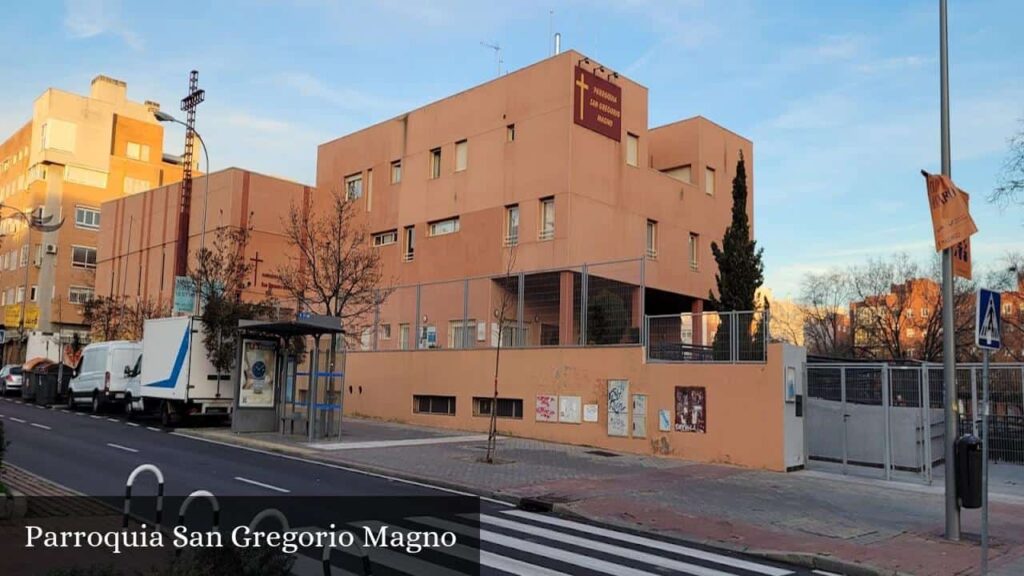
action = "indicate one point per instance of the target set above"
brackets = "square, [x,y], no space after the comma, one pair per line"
[987,321]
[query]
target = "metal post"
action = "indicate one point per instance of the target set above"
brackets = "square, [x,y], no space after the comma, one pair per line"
[314,370]
[643,297]
[974,401]
[948,335]
[842,403]
[584,303]
[466,342]
[417,326]
[887,424]
[734,340]
[24,298]
[520,310]
[984,465]
[926,408]
[376,321]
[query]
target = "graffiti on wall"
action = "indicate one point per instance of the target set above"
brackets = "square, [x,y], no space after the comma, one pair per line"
[691,409]
[618,407]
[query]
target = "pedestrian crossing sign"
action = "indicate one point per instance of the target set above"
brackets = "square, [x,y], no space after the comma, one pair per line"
[987,320]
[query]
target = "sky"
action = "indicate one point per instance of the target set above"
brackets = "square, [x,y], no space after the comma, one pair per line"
[841,99]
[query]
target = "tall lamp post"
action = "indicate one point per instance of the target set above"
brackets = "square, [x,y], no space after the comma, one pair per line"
[37,222]
[162,116]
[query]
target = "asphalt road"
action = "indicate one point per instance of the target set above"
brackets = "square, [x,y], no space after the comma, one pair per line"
[94,455]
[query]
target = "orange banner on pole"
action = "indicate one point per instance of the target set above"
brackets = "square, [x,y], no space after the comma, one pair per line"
[951,217]
[962,251]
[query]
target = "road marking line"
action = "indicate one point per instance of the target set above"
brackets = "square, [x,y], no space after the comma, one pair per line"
[79,413]
[262,485]
[823,573]
[66,411]
[17,420]
[43,426]
[153,428]
[112,420]
[18,402]
[95,417]
[132,424]
[119,447]
[345,468]
[650,543]
[397,443]
[40,407]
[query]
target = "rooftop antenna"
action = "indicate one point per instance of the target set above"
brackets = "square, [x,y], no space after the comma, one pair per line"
[497,53]
[551,26]
[558,43]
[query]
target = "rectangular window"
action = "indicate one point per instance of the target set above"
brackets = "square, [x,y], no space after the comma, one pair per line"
[83,257]
[681,173]
[369,189]
[23,261]
[433,404]
[694,251]
[87,217]
[507,407]
[709,181]
[442,227]
[354,186]
[403,336]
[632,149]
[137,151]
[410,244]
[80,294]
[547,218]
[385,238]
[435,163]
[461,155]
[385,332]
[510,133]
[924,312]
[20,295]
[396,171]
[33,293]
[652,239]
[85,176]
[512,225]
[461,335]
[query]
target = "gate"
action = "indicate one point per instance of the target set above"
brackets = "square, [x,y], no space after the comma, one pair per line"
[887,421]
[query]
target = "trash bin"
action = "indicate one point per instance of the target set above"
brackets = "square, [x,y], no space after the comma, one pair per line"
[968,471]
[50,389]
[30,378]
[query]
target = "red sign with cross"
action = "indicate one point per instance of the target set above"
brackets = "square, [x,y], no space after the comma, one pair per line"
[597,104]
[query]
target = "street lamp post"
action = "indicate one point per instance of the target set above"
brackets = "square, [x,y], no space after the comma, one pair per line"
[165,117]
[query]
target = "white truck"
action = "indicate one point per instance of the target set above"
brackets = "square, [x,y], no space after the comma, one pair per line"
[177,379]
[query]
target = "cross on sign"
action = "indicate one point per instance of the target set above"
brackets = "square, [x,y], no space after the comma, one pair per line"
[256,267]
[583,88]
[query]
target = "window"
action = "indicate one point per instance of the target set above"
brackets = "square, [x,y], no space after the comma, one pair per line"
[137,151]
[435,163]
[1007,308]
[652,239]
[924,312]
[632,149]
[21,295]
[3,298]
[23,261]
[385,332]
[87,217]
[33,293]
[911,332]
[410,244]
[403,336]
[85,176]
[433,404]
[385,238]
[681,173]
[442,227]
[507,407]
[461,155]
[396,171]
[354,186]
[83,257]
[910,312]
[512,225]
[461,335]
[369,189]
[510,133]
[709,181]
[547,218]
[10,295]
[80,294]
[694,251]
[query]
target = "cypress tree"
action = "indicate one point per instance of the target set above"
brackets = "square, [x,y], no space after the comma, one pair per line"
[740,269]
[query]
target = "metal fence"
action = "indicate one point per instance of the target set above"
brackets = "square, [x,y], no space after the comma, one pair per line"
[589,305]
[888,420]
[708,337]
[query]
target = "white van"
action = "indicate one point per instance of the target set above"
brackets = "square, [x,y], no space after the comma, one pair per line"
[103,374]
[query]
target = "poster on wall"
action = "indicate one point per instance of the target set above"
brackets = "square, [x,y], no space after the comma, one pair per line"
[258,385]
[691,409]
[547,408]
[569,409]
[665,420]
[590,413]
[790,384]
[639,415]
[618,407]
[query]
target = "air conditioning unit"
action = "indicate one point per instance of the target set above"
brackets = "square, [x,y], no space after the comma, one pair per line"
[51,248]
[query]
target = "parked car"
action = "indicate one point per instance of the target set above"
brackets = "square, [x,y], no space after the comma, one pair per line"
[102,376]
[10,379]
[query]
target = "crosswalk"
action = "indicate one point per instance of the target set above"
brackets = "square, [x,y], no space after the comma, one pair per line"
[516,542]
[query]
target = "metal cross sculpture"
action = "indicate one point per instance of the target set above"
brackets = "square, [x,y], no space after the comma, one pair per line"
[188,105]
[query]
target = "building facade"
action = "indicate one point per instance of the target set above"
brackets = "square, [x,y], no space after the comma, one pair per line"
[554,169]
[74,153]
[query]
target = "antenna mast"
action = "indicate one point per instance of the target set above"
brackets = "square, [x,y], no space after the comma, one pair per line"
[188,105]
[497,53]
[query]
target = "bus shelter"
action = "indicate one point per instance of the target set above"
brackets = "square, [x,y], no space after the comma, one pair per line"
[276,390]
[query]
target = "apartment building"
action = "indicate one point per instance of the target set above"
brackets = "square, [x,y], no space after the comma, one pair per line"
[74,153]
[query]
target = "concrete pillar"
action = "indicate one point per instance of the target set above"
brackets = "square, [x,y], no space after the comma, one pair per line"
[637,307]
[566,316]
[697,308]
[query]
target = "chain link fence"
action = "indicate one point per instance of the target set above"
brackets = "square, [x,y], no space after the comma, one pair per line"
[708,337]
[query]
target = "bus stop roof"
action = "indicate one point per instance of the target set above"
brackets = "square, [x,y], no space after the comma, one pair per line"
[304,325]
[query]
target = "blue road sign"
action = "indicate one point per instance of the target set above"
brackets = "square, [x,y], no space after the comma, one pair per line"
[987,321]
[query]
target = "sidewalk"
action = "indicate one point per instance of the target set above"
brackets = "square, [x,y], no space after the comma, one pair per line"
[807,517]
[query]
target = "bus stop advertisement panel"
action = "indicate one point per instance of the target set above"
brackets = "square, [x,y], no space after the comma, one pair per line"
[267,380]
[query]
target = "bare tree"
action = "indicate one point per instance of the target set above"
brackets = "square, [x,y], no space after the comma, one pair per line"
[825,299]
[337,272]
[502,313]
[1011,186]
[122,318]
[1008,277]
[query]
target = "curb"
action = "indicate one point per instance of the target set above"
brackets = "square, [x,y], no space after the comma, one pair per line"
[803,559]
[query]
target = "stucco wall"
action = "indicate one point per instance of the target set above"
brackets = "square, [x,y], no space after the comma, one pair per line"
[744,401]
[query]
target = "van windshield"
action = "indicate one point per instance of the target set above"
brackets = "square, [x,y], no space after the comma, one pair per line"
[16,370]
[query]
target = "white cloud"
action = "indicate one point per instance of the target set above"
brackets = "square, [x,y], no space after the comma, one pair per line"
[346,99]
[267,125]
[91,18]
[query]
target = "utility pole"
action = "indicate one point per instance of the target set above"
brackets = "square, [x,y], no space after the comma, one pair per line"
[948,335]
[188,105]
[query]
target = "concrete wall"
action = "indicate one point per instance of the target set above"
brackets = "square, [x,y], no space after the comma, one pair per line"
[745,413]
